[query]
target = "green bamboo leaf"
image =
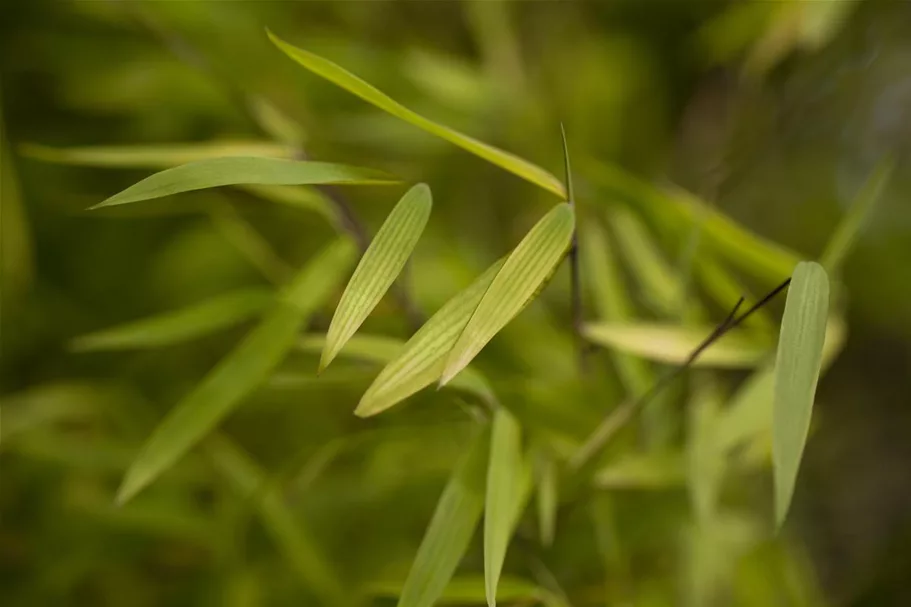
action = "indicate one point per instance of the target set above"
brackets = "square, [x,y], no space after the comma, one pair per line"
[724,288]
[507,481]
[657,470]
[797,368]
[47,404]
[705,455]
[421,360]
[351,83]
[547,498]
[853,223]
[241,372]
[524,273]
[216,172]
[379,267]
[181,325]
[470,589]
[386,350]
[450,530]
[153,156]
[673,344]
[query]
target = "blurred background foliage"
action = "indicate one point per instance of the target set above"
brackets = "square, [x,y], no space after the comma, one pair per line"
[776,113]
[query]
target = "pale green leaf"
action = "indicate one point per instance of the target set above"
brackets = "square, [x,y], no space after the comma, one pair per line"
[217,172]
[379,267]
[797,368]
[154,156]
[507,478]
[853,223]
[470,589]
[241,371]
[180,325]
[450,530]
[547,499]
[423,357]
[650,471]
[673,344]
[724,288]
[705,455]
[351,83]
[524,273]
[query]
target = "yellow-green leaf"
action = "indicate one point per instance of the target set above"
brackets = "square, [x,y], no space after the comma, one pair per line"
[450,530]
[652,471]
[378,268]
[524,273]
[421,360]
[547,498]
[351,83]
[469,589]
[180,325]
[705,454]
[507,484]
[797,367]
[673,344]
[241,371]
[217,172]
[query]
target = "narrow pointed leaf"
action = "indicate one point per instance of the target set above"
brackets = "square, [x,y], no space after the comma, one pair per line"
[673,344]
[853,223]
[217,172]
[505,478]
[351,83]
[421,360]
[378,268]
[450,530]
[524,273]
[180,325]
[797,367]
[241,371]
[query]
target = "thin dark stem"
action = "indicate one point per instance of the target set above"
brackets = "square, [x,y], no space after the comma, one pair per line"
[575,280]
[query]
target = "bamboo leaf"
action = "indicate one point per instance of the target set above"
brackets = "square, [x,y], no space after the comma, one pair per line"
[450,530]
[548,499]
[853,223]
[797,368]
[652,471]
[351,83]
[378,268]
[180,325]
[241,371]
[421,360]
[524,273]
[705,455]
[673,344]
[217,172]
[470,589]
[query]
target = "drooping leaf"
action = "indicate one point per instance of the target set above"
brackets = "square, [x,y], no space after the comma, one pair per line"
[423,357]
[507,481]
[450,530]
[674,343]
[351,83]
[524,273]
[853,222]
[378,268]
[241,371]
[217,172]
[797,368]
[180,325]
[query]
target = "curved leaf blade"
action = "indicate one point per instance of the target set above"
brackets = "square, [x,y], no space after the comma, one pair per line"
[673,344]
[379,267]
[797,368]
[524,273]
[351,83]
[181,325]
[423,357]
[241,371]
[217,172]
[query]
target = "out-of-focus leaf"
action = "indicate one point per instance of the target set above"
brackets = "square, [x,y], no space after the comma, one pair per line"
[421,360]
[180,325]
[651,471]
[724,289]
[378,268]
[15,241]
[46,404]
[673,344]
[295,196]
[660,285]
[154,156]
[216,172]
[250,243]
[548,498]
[303,554]
[507,479]
[797,368]
[524,273]
[386,350]
[450,530]
[241,371]
[351,83]
[853,223]
[468,589]
[705,455]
